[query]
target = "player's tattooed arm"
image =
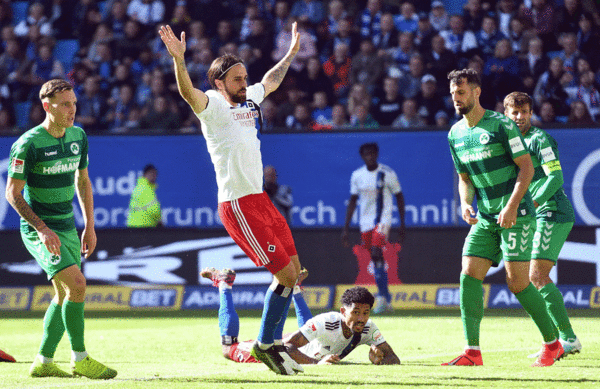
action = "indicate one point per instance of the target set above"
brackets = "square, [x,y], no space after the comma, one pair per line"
[273,78]
[383,355]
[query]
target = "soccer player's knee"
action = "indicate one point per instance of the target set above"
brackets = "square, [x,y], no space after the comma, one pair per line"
[377,256]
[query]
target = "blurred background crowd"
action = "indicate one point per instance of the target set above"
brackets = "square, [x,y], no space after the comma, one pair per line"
[362,64]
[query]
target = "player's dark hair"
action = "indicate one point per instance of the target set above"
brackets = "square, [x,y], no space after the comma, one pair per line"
[368,146]
[52,87]
[518,100]
[220,67]
[149,167]
[357,295]
[469,75]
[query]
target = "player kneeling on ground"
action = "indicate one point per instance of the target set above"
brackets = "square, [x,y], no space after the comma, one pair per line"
[323,339]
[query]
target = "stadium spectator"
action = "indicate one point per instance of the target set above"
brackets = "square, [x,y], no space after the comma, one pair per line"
[373,186]
[519,37]
[35,16]
[280,195]
[568,15]
[543,17]
[346,35]
[287,105]
[250,14]
[554,215]
[361,119]
[429,101]
[546,115]
[337,68]
[86,17]
[146,12]
[122,76]
[459,40]
[407,20]
[91,106]
[120,108]
[6,18]
[442,119]
[503,70]
[180,19]
[387,37]
[196,36]
[580,115]
[144,63]
[322,111]
[370,18]
[511,209]
[13,66]
[336,12]
[473,13]
[424,33]
[281,16]
[260,39]
[144,207]
[162,116]
[269,115]
[410,82]
[398,58]
[44,67]
[438,16]
[314,342]
[367,66]
[389,104]
[308,12]
[103,35]
[359,95]
[339,117]
[301,119]
[589,95]
[409,118]
[225,34]
[488,37]
[49,232]
[35,114]
[33,41]
[487,99]
[117,18]
[569,54]
[8,125]
[308,47]
[439,61]
[536,62]
[200,63]
[506,12]
[130,46]
[313,79]
[551,87]
[588,37]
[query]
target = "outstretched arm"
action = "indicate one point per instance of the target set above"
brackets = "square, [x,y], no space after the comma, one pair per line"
[194,97]
[383,355]
[274,77]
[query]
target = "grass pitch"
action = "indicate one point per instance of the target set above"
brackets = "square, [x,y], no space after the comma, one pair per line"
[182,350]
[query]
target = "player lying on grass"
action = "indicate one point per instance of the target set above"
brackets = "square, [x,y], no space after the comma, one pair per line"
[324,339]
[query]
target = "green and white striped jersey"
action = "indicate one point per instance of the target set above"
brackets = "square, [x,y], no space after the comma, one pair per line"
[546,185]
[47,165]
[486,152]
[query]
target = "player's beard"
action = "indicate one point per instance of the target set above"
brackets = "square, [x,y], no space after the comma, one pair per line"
[465,109]
[238,97]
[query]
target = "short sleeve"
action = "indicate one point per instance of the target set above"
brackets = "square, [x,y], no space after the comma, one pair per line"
[310,330]
[21,160]
[354,190]
[256,93]
[460,168]
[85,159]
[393,183]
[213,108]
[514,140]
[374,337]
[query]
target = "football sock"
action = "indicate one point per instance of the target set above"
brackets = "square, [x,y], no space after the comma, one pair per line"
[303,313]
[44,359]
[78,356]
[381,279]
[73,318]
[229,321]
[278,334]
[276,300]
[471,307]
[558,313]
[534,304]
[54,329]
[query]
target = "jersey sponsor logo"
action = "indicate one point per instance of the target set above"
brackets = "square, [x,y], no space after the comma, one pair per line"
[18,165]
[548,155]
[75,148]
[50,153]
[60,168]
[476,156]
[516,145]
[377,335]
[484,138]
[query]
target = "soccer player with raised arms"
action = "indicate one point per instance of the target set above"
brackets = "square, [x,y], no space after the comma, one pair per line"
[493,164]
[554,213]
[49,165]
[231,118]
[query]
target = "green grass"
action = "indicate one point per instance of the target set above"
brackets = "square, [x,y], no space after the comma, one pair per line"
[158,351]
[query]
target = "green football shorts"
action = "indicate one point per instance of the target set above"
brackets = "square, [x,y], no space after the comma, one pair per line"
[70,251]
[549,239]
[487,239]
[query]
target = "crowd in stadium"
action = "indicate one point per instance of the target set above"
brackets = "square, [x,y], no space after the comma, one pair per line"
[362,64]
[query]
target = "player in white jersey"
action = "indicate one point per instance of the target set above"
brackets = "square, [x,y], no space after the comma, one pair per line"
[375,185]
[231,118]
[323,339]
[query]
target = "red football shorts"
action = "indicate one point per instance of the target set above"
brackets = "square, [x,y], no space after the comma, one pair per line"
[376,237]
[260,230]
[240,352]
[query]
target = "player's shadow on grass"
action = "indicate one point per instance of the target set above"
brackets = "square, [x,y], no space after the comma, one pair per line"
[298,379]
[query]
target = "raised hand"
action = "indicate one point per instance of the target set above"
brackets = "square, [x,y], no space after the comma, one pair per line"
[175,46]
[295,45]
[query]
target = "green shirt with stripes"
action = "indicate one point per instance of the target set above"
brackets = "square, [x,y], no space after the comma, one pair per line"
[486,152]
[48,165]
[547,184]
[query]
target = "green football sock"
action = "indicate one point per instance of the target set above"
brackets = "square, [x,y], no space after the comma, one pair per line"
[54,329]
[555,304]
[471,307]
[534,304]
[73,318]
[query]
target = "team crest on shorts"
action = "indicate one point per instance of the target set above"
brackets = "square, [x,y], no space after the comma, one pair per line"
[271,248]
